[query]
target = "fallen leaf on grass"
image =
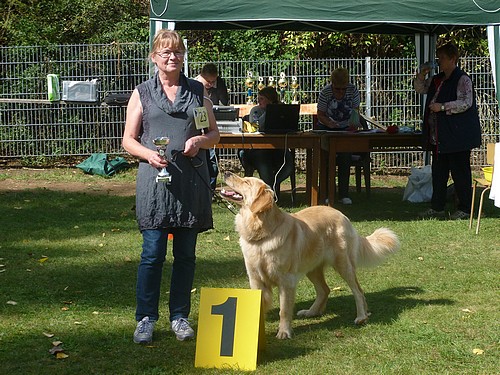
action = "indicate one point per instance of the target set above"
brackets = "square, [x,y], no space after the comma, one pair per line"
[227,238]
[43,259]
[58,351]
[56,343]
[13,303]
[420,258]
[478,351]
[128,259]
[65,308]
[336,289]
[78,323]
[55,350]
[467,310]
[2,270]
[49,335]
[338,334]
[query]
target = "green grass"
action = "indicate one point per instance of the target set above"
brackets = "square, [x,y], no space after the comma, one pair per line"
[432,303]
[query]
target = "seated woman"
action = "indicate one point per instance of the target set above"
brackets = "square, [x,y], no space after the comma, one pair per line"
[273,166]
[336,104]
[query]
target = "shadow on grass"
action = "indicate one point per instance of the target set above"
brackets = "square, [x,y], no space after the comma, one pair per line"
[384,203]
[64,214]
[385,306]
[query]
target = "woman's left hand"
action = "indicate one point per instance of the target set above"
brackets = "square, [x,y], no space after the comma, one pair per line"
[435,107]
[191,147]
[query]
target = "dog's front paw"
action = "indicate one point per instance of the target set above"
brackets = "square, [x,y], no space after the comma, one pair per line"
[284,334]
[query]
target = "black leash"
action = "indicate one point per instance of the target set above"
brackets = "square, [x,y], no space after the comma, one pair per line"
[218,200]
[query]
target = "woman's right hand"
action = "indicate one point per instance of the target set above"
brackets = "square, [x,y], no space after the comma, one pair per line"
[156,161]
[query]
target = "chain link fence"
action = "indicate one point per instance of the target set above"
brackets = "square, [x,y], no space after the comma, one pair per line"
[35,129]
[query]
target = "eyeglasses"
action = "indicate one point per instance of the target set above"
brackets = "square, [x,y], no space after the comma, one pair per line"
[167,53]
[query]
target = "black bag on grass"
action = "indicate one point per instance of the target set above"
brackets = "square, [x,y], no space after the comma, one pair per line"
[99,164]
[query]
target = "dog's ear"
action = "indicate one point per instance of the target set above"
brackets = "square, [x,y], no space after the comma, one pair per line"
[263,200]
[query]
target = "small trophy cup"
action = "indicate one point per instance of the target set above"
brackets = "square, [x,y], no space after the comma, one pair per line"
[161,145]
[282,83]
[294,85]
[249,82]
[261,84]
[271,82]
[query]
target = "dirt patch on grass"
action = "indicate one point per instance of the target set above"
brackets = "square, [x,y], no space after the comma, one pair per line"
[29,179]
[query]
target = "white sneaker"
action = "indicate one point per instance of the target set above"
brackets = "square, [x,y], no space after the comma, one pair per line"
[346,200]
[182,329]
[144,332]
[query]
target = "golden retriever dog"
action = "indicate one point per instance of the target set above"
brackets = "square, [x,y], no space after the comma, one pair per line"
[279,248]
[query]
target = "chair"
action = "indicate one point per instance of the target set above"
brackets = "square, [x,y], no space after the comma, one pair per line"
[490,159]
[360,161]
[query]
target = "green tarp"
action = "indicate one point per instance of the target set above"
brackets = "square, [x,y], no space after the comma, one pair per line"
[361,16]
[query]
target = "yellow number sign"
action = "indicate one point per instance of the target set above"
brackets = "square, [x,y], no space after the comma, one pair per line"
[230,324]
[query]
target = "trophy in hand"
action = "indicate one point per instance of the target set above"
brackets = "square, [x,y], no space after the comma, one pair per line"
[161,145]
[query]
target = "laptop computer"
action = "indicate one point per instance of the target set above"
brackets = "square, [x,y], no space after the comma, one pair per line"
[281,118]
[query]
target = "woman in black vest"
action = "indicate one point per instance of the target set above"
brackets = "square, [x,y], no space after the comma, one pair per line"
[451,128]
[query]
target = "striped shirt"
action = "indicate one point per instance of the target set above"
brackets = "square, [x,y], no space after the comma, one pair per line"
[339,110]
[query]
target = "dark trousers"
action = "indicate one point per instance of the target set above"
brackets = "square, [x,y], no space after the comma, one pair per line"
[344,170]
[274,166]
[458,163]
[150,269]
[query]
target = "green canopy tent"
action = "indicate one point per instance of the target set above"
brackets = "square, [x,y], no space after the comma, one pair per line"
[424,18]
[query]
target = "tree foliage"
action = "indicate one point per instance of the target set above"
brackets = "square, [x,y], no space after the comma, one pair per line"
[41,22]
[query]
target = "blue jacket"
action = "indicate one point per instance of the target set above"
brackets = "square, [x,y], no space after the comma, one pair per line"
[456,132]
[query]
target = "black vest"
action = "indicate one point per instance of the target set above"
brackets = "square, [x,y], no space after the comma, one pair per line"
[459,131]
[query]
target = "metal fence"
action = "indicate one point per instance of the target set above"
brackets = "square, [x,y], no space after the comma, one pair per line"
[31,127]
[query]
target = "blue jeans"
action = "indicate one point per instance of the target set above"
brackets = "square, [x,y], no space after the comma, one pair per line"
[149,273]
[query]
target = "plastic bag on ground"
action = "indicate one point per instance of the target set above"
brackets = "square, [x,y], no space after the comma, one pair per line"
[419,186]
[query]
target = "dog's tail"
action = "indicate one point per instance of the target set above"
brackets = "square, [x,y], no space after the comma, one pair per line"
[378,245]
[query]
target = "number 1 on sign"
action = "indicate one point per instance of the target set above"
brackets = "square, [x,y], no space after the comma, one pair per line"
[228,312]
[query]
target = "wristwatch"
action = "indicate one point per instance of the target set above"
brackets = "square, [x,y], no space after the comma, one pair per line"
[442,107]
